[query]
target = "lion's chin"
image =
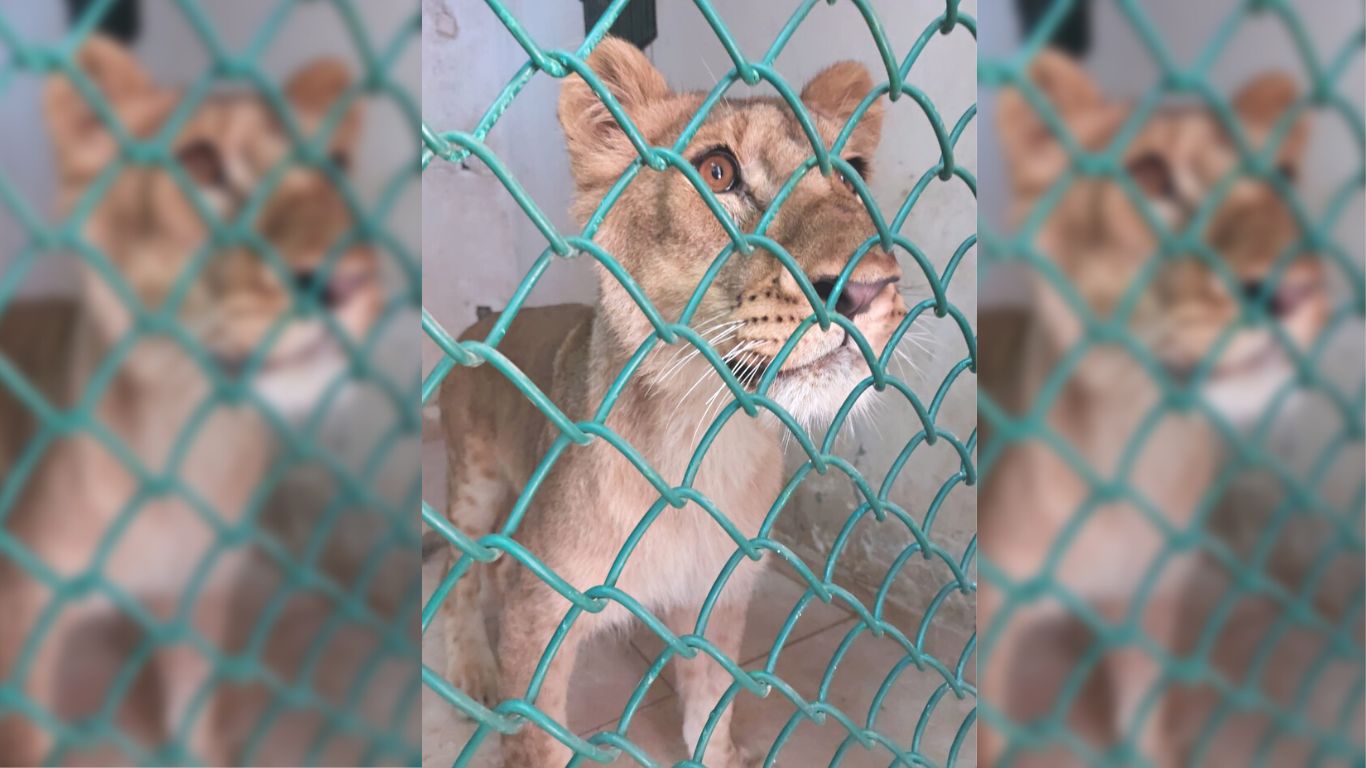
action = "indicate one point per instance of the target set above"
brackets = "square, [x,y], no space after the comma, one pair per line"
[815,392]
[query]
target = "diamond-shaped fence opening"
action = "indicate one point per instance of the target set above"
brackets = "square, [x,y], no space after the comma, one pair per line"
[1206,610]
[205,554]
[944,572]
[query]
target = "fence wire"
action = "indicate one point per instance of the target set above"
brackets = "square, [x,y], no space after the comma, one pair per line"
[1299,495]
[863,731]
[349,488]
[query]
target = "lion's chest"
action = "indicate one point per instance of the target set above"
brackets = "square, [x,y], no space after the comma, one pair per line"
[671,556]
[146,540]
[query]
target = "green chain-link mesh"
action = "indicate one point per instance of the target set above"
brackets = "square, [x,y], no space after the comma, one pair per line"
[1303,497]
[863,731]
[300,445]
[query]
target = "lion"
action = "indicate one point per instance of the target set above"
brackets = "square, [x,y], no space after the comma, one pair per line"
[585,507]
[174,350]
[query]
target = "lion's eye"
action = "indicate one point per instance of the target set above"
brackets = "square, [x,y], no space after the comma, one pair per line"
[860,167]
[720,170]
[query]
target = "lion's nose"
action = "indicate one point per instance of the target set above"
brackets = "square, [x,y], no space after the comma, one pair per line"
[856,297]
[306,280]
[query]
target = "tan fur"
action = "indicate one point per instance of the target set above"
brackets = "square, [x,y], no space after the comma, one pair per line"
[144,396]
[663,234]
[1099,241]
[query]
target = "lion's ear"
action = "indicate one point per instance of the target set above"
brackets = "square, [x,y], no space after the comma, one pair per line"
[83,142]
[597,144]
[836,92]
[313,90]
[1033,153]
[1261,103]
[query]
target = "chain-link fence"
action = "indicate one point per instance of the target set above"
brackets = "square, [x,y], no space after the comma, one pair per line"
[467,146]
[210,441]
[1172,443]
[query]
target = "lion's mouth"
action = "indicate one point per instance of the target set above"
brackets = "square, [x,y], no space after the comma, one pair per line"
[1265,355]
[316,347]
[313,349]
[1268,353]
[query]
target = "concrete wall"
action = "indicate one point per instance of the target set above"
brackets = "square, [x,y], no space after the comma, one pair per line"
[477,244]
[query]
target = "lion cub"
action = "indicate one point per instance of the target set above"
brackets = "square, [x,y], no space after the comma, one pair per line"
[592,497]
[1100,243]
[122,512]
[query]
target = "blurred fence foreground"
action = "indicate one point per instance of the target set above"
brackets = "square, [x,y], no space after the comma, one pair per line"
[207,547]
[1171,519]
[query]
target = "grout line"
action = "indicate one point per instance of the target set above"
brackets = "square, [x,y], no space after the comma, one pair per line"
[944,642]
[847,615]
[669,691]
[792,577]
[794,642]
[634,719]
[649,662]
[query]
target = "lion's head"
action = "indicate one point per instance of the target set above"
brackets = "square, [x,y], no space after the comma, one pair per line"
[1179,307]
[664,234]
[150,242]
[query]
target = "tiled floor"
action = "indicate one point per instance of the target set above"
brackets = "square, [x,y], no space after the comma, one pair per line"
[610,668]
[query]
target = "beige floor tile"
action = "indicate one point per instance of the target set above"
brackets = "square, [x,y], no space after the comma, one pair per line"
[608,671]
[657,730]
[606,676]
[860,673]
[1303,678]
[446,731]
[778,593]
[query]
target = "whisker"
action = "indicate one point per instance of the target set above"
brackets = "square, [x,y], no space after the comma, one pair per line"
[723,387]
[714,81]
[705,412]
[908,362]
[900,361]
[752,375]
[727,330]
[739,349]
[875,406]
[713,341]
[918,342]
[744,372]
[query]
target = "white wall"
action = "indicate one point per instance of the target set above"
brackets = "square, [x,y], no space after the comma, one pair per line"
[478,244]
